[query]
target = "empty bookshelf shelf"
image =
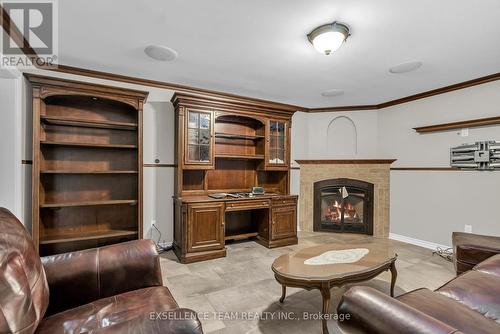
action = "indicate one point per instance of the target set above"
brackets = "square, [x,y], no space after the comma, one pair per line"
[88,123]
[62,143]
[87,203]
[70,237]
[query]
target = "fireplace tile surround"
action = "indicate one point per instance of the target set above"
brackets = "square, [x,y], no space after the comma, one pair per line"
[376,171]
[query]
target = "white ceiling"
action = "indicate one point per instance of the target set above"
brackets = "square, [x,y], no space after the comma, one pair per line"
[259,48]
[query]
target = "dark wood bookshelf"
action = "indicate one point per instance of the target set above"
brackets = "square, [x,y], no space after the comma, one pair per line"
[87,164]
[230,146]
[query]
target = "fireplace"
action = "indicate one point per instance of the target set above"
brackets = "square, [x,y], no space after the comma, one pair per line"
[343,205]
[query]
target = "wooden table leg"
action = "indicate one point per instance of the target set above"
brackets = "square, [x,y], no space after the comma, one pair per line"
[283,293]
[325,292]
[394,275]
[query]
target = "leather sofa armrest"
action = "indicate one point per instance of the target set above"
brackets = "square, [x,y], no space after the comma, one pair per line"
[81,277]
[471,249]
[370,311]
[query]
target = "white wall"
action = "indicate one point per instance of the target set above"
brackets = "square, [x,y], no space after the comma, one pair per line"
[158,181]
[318,142]
[11,170]
[430,205]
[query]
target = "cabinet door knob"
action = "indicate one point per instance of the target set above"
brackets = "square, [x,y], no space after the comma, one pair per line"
[274,222]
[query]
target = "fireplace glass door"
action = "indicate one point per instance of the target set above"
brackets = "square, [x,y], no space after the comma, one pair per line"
[338,213]
[341,207]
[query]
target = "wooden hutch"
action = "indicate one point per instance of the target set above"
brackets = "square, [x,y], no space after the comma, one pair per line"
[227,144]
[87,164]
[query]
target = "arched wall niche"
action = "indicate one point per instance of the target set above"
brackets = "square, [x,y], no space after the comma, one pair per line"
[342,137]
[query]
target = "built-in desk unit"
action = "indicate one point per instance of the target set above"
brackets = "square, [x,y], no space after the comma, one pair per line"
[228,144]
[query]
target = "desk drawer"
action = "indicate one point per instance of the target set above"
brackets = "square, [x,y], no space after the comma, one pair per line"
[284,201]
[246,205]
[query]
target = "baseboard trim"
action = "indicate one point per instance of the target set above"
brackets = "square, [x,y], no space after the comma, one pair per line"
[417,242]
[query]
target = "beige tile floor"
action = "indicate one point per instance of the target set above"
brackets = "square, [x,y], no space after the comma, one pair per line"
[242,284]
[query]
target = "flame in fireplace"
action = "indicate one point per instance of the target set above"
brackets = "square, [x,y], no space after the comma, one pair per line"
[333,212]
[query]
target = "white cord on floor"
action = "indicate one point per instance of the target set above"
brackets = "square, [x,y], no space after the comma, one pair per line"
[160,248]
[445,253]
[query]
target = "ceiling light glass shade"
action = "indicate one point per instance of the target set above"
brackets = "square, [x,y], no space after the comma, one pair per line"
[329,37]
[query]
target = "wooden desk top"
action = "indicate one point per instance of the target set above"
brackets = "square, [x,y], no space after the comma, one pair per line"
[206,198]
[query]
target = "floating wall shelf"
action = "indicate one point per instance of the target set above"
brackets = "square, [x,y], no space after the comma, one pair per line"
[459,125]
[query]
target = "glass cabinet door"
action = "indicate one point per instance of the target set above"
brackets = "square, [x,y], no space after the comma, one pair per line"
[277,143]
[199,137]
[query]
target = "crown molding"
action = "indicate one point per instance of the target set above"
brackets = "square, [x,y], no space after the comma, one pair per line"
[172,86]
[423,95]
[345,108]
[442,90]
[11,30]
[344,161]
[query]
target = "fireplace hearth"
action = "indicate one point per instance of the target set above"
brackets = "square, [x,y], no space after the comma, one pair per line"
[343,205]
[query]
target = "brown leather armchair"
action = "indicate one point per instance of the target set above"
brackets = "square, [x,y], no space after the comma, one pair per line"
[470,303]
[113,289]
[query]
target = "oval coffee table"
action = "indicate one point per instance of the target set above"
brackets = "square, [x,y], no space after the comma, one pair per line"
[322,274]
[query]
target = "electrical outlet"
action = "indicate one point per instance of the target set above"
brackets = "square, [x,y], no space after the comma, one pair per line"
[468,228]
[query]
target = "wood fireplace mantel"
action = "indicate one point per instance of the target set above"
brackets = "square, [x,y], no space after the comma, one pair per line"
[345,161]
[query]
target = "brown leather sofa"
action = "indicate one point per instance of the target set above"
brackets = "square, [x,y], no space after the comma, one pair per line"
[113,289]
[471,249]
[469,304]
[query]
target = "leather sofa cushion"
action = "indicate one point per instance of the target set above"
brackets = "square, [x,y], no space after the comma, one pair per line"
[450,312]
[121,313]
[490,266]
[476,290]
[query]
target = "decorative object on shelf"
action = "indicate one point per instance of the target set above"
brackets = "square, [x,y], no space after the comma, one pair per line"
[258,191]
[483,155]
[329,37]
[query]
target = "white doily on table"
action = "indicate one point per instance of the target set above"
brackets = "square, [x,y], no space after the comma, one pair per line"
[338,256]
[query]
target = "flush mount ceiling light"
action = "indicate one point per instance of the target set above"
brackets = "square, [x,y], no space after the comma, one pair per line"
[160,52]
[332,93]
[405,67]
[329,37]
